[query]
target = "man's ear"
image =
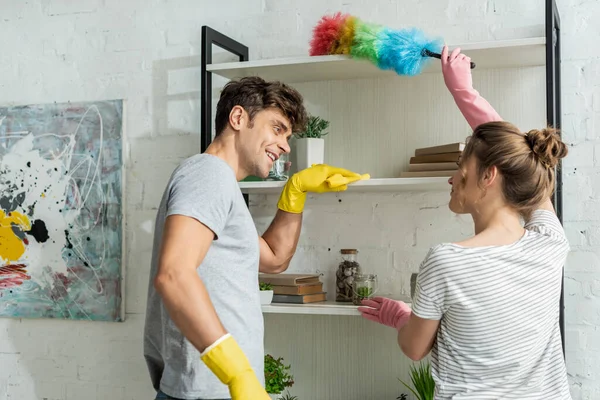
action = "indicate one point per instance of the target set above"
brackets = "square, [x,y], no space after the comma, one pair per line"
[238,118]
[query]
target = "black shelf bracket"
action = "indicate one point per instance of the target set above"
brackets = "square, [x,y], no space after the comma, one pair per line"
[211,37]
[554,118]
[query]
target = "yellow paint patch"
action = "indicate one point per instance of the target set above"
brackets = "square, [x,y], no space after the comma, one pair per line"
[11,246]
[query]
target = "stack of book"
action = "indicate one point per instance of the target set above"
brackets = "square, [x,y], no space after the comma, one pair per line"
[295,288]
[434,161]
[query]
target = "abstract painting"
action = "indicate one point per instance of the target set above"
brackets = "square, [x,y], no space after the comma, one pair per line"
[61,211]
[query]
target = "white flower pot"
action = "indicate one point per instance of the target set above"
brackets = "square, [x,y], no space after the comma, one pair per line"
[266,296]
[309,151]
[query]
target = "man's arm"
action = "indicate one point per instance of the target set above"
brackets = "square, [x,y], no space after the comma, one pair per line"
[417,337]
[184,246]
[278,243]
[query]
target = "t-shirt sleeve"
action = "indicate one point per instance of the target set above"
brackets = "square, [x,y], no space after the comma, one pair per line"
[203,193]
[546,222]
[430,289]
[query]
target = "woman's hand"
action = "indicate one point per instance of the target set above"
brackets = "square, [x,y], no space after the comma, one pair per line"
[392,313]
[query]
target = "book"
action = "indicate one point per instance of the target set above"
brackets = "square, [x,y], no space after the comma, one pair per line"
[299,289]
[426,174]
[299,299]
[444,148]
[433,166]
[288,279]
[444,157]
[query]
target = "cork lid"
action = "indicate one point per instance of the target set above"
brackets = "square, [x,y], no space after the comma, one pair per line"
[348,251]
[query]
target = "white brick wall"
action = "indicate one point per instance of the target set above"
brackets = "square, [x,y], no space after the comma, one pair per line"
[149,54]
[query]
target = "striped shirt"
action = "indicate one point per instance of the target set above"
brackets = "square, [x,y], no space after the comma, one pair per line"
[499,335]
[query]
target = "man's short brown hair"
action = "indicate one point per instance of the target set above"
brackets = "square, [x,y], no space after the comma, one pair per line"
[255,94]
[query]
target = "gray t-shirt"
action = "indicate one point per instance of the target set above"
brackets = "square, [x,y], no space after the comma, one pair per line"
[204,187]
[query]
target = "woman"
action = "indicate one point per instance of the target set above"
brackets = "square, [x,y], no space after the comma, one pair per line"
[487,307]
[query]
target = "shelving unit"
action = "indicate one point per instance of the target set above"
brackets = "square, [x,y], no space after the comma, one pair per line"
[537,51]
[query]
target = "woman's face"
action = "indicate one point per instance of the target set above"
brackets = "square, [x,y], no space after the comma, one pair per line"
[464,193]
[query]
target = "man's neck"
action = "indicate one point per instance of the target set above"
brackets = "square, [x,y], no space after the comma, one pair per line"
[223,146]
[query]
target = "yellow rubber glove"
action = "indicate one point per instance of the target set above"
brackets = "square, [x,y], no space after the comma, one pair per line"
[228,362]
[319,178]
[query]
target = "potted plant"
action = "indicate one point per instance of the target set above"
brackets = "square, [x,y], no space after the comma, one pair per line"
[287,396]
[277,376]
[310,145]
[422,380]
[266,293]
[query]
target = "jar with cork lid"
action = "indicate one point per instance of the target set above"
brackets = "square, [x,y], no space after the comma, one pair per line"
[347,270]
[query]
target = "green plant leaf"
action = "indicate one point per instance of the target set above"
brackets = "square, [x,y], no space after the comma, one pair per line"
[422,381]
[315,128]
[277,376]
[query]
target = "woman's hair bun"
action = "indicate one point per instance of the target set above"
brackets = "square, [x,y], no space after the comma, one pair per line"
[547,146]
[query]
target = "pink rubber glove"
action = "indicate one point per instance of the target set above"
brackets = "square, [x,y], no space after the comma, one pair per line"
[386,311]
[457,76]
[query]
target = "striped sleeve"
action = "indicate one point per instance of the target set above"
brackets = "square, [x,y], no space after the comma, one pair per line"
[430,289]
[545,222]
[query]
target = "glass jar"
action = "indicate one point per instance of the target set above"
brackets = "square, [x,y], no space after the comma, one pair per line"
[365,287]
[344,276]
[281,169]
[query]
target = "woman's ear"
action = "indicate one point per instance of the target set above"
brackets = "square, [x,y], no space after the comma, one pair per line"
[490,176]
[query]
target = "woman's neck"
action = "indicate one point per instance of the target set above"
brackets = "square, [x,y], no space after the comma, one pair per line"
[497,218]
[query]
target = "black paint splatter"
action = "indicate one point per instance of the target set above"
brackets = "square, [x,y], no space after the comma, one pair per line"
[38,231]
[29,164]
[69,244]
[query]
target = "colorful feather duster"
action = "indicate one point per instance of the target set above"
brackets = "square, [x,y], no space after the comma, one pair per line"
[406,51]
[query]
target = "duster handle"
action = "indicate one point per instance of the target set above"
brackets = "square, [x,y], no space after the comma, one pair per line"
[427,53]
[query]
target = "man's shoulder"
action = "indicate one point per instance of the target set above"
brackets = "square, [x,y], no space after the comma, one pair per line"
[204,168]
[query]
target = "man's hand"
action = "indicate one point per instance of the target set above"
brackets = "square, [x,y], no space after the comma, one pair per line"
[229,363]
[319,178]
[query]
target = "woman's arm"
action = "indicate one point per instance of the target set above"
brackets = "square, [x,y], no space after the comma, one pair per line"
[456,69]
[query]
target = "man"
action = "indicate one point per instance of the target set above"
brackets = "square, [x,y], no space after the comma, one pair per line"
[204,326]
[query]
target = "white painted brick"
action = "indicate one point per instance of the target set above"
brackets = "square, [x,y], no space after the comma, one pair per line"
[81,390]
[62,7]
[583,261]
[580,155]
[120,373]
[110,392]
[22,387]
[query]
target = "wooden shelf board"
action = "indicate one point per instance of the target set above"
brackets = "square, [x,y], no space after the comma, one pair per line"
[370,185]
[491,54]
[320,308]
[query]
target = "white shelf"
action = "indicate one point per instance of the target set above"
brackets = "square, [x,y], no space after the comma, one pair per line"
[370,185]
[492,54]
[320,308]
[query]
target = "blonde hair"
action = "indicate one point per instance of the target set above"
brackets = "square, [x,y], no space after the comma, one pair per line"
[526,161]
